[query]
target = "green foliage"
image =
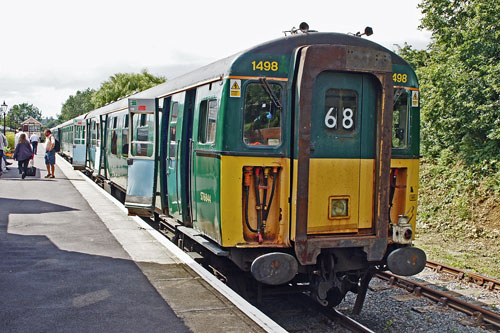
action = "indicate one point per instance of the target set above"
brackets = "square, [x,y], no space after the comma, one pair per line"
[76,105]
[460,103]
[20,112]
[460,79]
[416,58]
[122,84]
[11,139]
[456,200]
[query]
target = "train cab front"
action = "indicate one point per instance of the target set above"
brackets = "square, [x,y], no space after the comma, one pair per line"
[314,182]
[342,171]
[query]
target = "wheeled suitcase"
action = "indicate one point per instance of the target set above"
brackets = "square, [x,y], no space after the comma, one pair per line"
[31,170]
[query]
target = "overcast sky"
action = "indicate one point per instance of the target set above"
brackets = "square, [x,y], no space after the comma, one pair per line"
[50,49]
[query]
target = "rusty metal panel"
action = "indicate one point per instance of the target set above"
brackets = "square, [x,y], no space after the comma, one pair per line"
[314,60]
[367,60]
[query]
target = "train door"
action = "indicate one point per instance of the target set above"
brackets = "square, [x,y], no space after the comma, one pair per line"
[87,142]
[141,187]
[342,149]
[94,146]
[102,167]
[79,136]
[343,127]
[163,157]
[205,167]
[179,138]
[158,202]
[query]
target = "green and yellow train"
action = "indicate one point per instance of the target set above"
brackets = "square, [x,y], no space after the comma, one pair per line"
[297,159]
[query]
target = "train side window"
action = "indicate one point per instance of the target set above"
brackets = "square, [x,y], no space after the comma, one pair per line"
[173,137]
[175,108]
[400,119]
[142,134]
[125,138]
[262,114]
[112,135]
[208,121]
[98,134]
[114,141]
[93,133]
[341,110]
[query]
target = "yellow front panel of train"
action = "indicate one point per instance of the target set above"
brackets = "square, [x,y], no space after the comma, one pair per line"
[340,195]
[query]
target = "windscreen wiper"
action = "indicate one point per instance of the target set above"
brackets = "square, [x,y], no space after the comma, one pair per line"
[397,93]
[271,93]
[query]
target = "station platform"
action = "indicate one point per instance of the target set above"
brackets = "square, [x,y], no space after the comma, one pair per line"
[72,260]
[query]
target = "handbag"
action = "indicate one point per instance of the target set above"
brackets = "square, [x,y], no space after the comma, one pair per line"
[31,170]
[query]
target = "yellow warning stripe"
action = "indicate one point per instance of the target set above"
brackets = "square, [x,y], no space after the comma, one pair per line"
[256,78]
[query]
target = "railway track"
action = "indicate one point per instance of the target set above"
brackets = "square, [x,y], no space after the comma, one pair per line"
[345,321]
[460,274]
[477,312]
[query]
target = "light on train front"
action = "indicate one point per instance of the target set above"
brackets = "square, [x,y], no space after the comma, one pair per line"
[339,207]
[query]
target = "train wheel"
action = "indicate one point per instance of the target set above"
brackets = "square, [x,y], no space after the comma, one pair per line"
[334,296]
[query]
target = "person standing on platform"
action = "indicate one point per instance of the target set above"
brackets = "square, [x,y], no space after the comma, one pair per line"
[3,145]
[16,141]
[23,154]
[18,134]
[34,138]
[50,153]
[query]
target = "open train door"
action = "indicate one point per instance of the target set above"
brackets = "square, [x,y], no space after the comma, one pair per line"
[342,150]
[102,165]
[141,185]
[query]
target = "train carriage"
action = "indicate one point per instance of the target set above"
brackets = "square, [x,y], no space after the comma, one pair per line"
[297,159]
[72,137]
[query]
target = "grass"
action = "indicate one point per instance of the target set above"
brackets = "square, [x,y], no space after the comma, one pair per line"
[459,213]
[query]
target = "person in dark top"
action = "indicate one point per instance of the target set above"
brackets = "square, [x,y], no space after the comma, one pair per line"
[23,154]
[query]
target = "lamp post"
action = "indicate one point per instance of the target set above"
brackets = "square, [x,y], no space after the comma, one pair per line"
[4,110]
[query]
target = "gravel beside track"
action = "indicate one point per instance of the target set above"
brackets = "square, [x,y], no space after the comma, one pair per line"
[392,309]
[386,309]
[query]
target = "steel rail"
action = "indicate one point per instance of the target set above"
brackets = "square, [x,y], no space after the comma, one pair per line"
[419,289]
[337,316]
[481,280]
[346,321]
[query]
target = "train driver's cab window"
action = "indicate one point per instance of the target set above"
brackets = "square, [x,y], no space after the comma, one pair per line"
[262,114]
[208,121]
[142,134]
[341,111]
[400,119]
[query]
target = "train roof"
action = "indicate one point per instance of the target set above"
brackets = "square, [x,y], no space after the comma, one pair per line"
[71,121]
[222,68]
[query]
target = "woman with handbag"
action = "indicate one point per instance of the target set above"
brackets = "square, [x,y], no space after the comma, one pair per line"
[23,154]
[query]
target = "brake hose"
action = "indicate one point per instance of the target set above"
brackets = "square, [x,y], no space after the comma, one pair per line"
[275,178]
[247,172]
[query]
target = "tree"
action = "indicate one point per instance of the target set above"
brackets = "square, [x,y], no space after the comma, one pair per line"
[460,79]
[77,105]
[20,112]
[50,122]
[122,84]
